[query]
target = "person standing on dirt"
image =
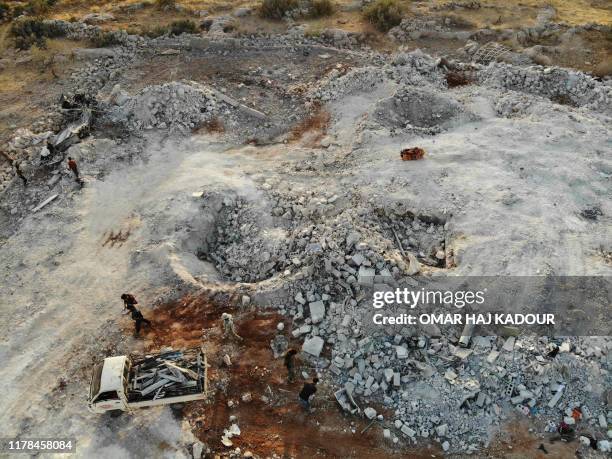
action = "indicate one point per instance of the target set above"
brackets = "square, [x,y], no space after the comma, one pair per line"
[72,165]
[228,326]
[307,393]
[128,300]
[138,319]
[19,172]
[290,364]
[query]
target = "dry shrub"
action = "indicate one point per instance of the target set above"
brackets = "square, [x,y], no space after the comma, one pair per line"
[321,8]
[276,9]
[384,14]
[183,26]
[33,31]
[38,7]
[165,5]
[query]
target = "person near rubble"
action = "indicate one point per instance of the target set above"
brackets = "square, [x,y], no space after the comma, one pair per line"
[138,319]
[19,172]
[290,364]
[72,165]
[307,393]
[228,326]
[128,300]
[566,431]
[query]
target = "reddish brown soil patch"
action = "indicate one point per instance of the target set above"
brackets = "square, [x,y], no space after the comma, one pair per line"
[212,126]
[515,442]
[455,78]
[276,423]
[314,127]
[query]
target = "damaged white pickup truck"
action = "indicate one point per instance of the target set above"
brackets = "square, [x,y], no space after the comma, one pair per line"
[123,383]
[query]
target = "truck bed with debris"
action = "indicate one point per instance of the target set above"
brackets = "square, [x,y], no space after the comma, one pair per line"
[123,383]
[167,375]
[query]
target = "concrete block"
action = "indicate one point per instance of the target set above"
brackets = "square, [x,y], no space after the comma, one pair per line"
[313,346]
[366,276]
[317,311]
[401,352]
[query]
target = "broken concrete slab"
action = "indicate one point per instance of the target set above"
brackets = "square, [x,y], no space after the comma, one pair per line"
[553,401]
[365,276]
[408,431]
[401,352]
[317,311]
[492,356]
[313,346]
[509,344]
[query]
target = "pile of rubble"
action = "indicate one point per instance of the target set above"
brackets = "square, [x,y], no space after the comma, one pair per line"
[421,110]
[319,235]
[171,373]
[329,250]
[167,106]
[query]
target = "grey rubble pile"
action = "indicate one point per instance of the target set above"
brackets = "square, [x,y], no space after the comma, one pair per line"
[318,234]
[168,106]
[327,259]
[563,86]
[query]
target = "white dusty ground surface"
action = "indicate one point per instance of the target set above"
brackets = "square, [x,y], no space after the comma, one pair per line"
[514,186]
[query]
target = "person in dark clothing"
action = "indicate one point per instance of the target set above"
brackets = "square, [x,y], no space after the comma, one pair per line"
[307,392]
[290,364]
[19,173]
[138,319]
[72,165]
[128,300]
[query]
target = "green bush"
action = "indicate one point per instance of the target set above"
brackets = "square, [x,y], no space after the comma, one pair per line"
[320,8]
[165,4]
[5,12]
[38,7]
[104,40]
[18,11]
[183,26]
[276,9]
[384,14]
[154,32]
[34,31]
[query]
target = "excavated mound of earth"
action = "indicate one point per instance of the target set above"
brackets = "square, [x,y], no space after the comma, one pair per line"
[418,107]
[251,243]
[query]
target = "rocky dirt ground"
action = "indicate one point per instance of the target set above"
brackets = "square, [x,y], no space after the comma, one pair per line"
[256,169]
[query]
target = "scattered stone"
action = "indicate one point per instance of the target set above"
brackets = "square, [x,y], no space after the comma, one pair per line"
[317,311]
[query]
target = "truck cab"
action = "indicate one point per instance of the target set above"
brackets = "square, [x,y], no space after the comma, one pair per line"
[109,384]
